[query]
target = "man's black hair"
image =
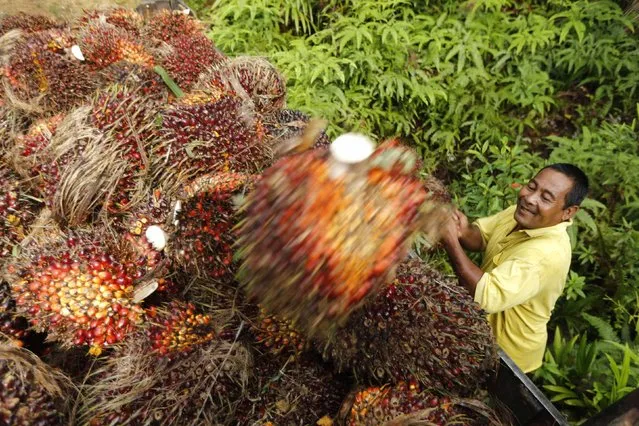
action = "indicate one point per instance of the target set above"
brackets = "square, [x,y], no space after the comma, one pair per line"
[579,179]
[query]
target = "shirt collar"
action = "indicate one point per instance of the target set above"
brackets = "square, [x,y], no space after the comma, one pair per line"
[560,227]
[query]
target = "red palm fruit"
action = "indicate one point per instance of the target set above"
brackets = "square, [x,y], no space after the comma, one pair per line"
[190,55]
[422,326]
[168,26]
[27,23]
[18,210]
[76,287]
[177,328]
[252,78]
[278,335]
[126,19]
[286,124]
[203,240]
[137,385]
[40,72]
[209,137]
[103,45]
[32,393]
[286,392]
[314,244]
[408,403]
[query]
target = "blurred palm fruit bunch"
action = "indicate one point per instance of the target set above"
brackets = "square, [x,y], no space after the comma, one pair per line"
[408,403]
[185,51]
[74,286]
[203,241]
[174,371]
[31,392]
[286,124]
[27,23]
[421,326]
[42,74]
[252,78]
[278,335]
[206,135]
[285,392]
[18,210]
[317,239]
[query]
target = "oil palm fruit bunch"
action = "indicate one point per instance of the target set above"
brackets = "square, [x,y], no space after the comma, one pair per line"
[44,76]
[102,151]
[323,230]
[32,393]
[169,25]
[104,44]
[421,326]
[11,327]
[285,392]
[277,335]
[74,286]
[209,136]
[286,124]
[119,17]
[18,210]
[27,23]
[251,78]
[203,241]
[407,403]
[175,371]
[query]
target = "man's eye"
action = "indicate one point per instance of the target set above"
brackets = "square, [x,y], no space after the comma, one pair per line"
[531,185]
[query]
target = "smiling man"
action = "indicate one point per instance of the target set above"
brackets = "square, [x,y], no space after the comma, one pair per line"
[526,258]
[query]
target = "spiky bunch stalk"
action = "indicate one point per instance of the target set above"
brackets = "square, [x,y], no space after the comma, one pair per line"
[104,44]
[286,124]
[18,210]
[27,23]
[152,378]
[41,75]
[209,137]
[76,287]
[288,392]
[314,245]
[408,403]
[422,326]
[278,335]
[203,241]
[254,79]
[31,392]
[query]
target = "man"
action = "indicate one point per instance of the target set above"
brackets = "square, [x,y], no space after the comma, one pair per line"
[526,258]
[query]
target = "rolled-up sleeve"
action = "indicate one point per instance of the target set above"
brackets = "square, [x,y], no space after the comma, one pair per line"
[511,283]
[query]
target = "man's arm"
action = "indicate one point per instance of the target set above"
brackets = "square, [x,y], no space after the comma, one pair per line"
[468,273]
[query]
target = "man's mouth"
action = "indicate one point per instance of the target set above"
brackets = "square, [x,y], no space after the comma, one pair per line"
[524,210]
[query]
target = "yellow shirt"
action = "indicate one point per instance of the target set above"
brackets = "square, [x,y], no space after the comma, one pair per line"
[524,275]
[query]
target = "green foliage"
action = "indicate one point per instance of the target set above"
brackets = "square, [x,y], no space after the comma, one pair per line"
[488,91]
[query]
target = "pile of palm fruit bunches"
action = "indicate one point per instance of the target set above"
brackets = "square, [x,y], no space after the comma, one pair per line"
[177,247]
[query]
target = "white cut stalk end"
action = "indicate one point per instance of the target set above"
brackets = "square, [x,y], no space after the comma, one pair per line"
[352,148]
[156,237]
[77,52]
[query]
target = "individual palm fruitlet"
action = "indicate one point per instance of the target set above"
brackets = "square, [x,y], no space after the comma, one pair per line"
[74,287]
[422,326]
[18,210]
[203,241]
[31,392]
[278,335]
[175,371]
[313,244]
[406,403]
[284,392]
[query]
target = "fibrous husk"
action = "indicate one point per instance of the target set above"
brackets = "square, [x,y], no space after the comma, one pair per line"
[104,44]
[103,153]
[27,23]
[287,124]
[422,326]
[407,403]
[12,123]
[292,392]
[41,76]
[18,210]
[32,393]
[142,385]
[208,135]
[313,246]
[204,238]
[76,286]
[252,78]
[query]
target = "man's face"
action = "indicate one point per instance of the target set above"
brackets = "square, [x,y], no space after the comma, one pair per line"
[541,202]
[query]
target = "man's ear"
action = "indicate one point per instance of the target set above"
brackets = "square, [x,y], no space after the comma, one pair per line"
[569,213]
